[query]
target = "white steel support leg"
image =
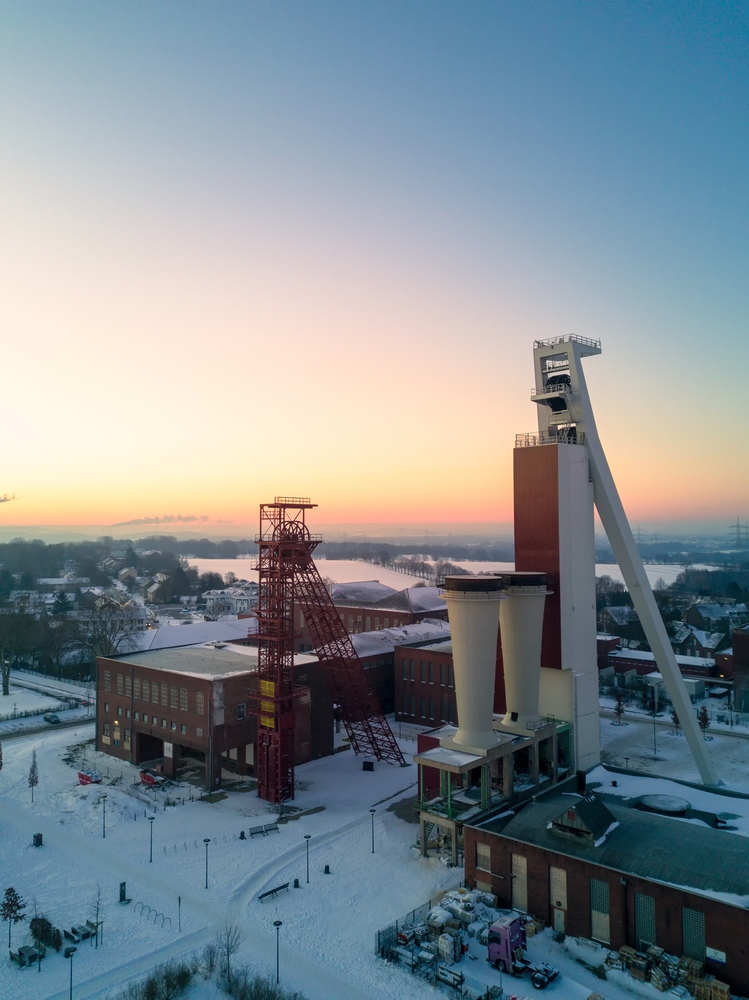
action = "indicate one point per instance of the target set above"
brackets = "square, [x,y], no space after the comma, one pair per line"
[622,541]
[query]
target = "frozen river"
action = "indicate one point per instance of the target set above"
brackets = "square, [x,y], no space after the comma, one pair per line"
[350,570]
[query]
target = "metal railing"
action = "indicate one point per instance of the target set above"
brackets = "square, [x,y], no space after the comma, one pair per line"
[543,437]
[570,338]
[547,390]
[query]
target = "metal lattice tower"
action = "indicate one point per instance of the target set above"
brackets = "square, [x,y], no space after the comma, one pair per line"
[287,573]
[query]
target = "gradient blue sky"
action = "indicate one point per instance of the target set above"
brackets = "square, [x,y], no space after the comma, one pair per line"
[260,248]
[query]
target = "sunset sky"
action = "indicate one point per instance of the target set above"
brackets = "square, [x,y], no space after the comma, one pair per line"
[305,248]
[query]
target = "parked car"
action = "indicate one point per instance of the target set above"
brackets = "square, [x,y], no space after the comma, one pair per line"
[51,717]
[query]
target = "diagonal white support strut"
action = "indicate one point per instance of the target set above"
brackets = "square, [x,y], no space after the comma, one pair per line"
[622,542]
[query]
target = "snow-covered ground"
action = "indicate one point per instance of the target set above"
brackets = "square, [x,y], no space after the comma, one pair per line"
[22,700]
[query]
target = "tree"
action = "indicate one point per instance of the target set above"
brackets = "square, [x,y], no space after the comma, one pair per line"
[703,719]
[675,719]
[95,909]
[16,629]
[61,605]
[107,628]
[33,775]
[228,943]
[12,909]
[1,756]
[230,579]
[619,708]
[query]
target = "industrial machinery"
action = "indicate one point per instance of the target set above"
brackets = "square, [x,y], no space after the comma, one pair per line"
[288,575]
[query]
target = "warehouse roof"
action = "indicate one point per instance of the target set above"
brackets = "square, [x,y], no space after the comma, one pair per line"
[708,861]
[197,661]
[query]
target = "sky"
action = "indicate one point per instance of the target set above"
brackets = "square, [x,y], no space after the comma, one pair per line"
[256,249]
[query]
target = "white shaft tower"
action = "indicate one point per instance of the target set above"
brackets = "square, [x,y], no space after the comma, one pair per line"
[565,415]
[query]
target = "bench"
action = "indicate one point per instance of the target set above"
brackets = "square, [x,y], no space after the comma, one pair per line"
[257,831]
[72,935]
[272,892]
[271,828]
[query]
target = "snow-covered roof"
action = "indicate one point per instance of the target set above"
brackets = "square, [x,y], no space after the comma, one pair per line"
[196,661]
[622,614]
[385,640]
[640,654]
[425,599]
[361,592]
[708,861]
[194,633]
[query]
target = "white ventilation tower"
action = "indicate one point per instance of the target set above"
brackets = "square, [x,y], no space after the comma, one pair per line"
[565,415]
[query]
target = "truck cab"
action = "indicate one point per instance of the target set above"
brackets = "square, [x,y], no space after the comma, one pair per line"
[506,935]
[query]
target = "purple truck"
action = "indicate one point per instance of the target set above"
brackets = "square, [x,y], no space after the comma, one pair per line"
[506,952]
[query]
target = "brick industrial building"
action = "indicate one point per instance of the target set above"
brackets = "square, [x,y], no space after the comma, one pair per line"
[601,868]
[193,702]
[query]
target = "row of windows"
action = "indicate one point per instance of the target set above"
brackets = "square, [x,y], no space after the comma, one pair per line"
[359,624]
[165,695]
[153,721]
[428,673]
[427,707]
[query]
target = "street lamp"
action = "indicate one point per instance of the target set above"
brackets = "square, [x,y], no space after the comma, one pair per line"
[69,952]
[150,854]
[206,841]
[372,813]
[306,838]
[103,816]
[277,925]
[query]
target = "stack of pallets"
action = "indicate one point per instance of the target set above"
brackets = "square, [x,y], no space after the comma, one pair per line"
[719,990]
[703,988]
[689,971]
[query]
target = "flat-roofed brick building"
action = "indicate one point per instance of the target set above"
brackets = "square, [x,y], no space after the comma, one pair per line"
[193,702]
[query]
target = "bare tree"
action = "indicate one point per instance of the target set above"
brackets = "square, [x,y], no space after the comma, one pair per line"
[16,628]
[95,908]
[33,775]
[107,628]
[228,943]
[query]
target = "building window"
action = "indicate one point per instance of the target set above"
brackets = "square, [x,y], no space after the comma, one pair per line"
[351,623]
[183,700]
[146,691]
[431,708]
[431,673]
[119,711]
[377,623]
[367,624]
[693,927]
[387,622]
[413,705]
[423,708]
[174,727]
[199,732]
[183,729]
[199,703]
[443,710]
[599,911]
[483,857]
[155,693]
[128,686]
[422,671]
[241,711]
[120,685]
[127,736]
[107,681]
[442,674]
[450,712]
[451,672]
[412,668]
[645,920]
[173,697]
[106,706]
[116,741]
[165,695]
[106,730]
[136,688]
[127,713]
[405,704]
[163,723]
[405,670]
[136,716]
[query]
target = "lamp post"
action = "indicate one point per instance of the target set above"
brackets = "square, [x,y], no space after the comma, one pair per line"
[150,853]
[103,817]
[206,841]
[277,925]
[306,840]
[655,712]
[372,813]
[69,952]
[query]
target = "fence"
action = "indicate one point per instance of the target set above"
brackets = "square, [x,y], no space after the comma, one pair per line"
[29,713]
[387,938]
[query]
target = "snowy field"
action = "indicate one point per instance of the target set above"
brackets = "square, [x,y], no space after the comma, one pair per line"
[352,570]
[21,699]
